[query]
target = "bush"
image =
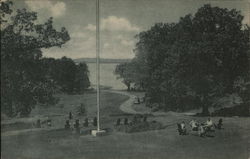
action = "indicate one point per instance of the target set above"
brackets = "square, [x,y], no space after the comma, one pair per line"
[155,107]
[242,110]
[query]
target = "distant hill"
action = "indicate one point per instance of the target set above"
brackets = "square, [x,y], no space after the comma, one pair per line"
[93,60]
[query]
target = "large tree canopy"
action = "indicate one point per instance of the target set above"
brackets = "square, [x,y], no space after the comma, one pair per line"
[187,64]
[125,72]
[66,75]
[22,82]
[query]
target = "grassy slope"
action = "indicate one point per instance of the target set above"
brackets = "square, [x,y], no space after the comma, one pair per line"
[230,143]
[109,103]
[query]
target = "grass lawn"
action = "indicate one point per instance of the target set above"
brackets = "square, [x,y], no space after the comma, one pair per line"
[230,143]
[110,103]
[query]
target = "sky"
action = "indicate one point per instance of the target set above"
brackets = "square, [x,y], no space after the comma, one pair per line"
[120,21]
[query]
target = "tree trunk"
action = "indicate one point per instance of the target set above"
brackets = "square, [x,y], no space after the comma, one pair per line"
[128,85]
[205,111]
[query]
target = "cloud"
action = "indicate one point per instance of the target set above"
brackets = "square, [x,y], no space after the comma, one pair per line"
[127,42]
[90,27]
[83,44]
[117,40]
[106,45]
[77,35]
[246,19]
[113,23]
[56,9]
[75,48]
[117,45]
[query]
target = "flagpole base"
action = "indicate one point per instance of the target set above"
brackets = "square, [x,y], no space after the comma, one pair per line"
[98,132]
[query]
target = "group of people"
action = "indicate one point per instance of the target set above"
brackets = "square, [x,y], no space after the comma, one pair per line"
[201,128]
[135,119]
[77,124]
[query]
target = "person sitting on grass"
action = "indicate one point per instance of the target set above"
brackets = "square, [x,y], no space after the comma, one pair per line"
[49,123]
[70,116]
[77,126]
[86,122]
[38,123]
[209,124]
[135,119]
[67,125]
[118,122]
[95,121]
[125,121]
[219,125]
[194,125]
[201,130]
[182,128]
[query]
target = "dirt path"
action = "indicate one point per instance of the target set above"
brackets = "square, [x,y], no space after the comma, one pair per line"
[127,106]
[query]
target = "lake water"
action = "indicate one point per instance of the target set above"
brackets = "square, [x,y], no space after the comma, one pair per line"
[107,77]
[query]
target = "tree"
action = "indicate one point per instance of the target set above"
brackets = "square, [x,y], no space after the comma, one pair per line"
[67,76]
[194,60]
[82,77]
[217,53]
[124,71]
[22,83]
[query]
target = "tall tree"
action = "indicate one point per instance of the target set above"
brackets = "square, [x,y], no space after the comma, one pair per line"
[198,58]
[22,85]
[67,76]
[125,71]
[82,78]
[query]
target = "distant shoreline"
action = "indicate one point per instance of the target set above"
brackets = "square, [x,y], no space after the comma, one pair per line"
[101,62]
[93,60]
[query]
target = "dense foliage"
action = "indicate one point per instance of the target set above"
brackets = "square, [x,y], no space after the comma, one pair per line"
[189,63]
[66,75]
[25,76]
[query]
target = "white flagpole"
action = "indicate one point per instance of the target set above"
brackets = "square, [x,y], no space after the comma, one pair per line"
[98,62]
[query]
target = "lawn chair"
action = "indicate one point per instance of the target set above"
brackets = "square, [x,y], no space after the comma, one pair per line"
[202,130]
[86,122]
[67,125]
[219,125]
[77,126]
[38,123]
[195,128]
[95,121]
[125,121]
[118,122]
[180,130]
[49,122]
